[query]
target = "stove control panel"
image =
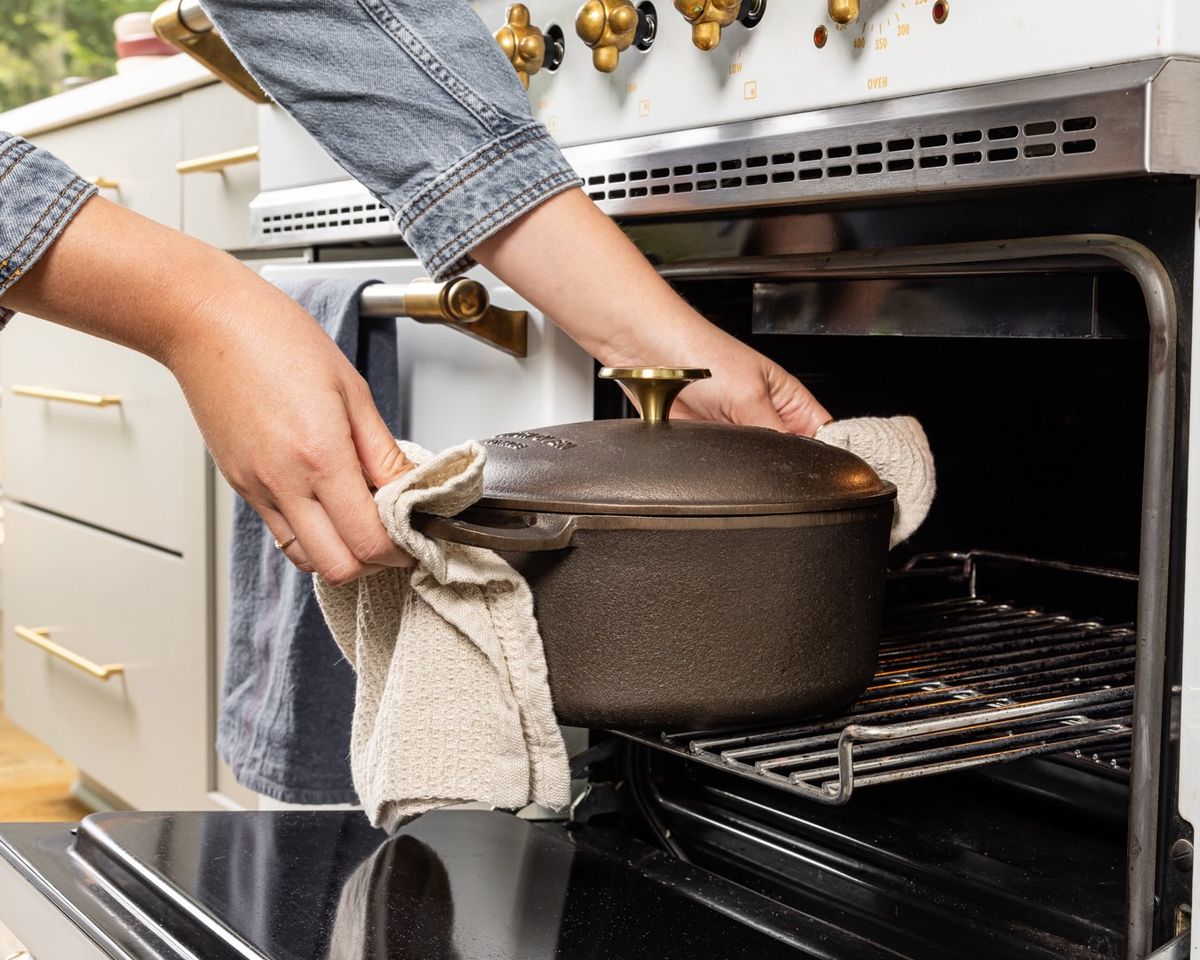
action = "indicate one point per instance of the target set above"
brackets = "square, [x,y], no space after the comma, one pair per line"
[613,69]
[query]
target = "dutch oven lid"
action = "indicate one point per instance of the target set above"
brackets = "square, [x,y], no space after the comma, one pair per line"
[658,467]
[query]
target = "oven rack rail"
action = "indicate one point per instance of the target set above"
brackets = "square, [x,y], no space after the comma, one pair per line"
[962,683]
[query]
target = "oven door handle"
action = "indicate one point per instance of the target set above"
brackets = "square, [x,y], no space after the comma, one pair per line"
[538,533]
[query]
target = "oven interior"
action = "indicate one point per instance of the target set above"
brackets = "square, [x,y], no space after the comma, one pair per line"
[1009,837]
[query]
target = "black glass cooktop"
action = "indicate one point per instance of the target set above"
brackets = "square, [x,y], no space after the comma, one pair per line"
[465,885]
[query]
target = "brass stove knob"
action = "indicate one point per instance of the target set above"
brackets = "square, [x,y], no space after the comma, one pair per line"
[608,27]
[843,11]
[522,42]
[708,18]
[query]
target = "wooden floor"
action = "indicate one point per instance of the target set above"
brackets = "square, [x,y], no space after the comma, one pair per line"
[35,782]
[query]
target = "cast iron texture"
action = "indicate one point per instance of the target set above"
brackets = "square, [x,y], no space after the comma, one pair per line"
[697,628]
[674,468]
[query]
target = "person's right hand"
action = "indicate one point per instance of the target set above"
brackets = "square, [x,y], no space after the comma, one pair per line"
[293,428]
[288,419]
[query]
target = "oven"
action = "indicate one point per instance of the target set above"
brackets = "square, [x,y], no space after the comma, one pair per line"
[987,220]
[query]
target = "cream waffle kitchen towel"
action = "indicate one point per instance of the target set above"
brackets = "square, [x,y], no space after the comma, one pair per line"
[898,450]
[453,698]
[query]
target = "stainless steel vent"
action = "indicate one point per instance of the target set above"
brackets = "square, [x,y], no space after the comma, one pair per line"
[320,218]
[1026,145]
[340,212]
[1126,120]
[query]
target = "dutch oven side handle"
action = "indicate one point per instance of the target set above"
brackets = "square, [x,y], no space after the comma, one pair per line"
[547,531]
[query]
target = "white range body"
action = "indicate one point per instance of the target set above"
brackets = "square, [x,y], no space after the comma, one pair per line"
[895,49]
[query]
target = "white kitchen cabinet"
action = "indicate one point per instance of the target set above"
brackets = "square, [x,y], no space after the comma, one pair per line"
[135,467]
[131,155]
[110,515]
[143,733]
[216,204]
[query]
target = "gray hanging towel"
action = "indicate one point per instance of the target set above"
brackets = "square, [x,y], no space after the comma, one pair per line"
[288,693]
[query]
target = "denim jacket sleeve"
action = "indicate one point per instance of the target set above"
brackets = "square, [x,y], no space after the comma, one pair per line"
[416,101]
[39,194]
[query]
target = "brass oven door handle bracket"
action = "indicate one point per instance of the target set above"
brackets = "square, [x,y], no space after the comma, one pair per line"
[506,330]
[461,304]
[40,638]
[184,25]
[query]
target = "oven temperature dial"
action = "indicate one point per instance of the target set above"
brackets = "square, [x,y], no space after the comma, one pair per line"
[879,31]
[843,11]
[522,43]
[708,18]
[608,27]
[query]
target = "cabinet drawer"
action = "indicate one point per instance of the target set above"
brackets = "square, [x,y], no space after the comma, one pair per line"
[142,733]
[218,123]
[136,467]
[135,151]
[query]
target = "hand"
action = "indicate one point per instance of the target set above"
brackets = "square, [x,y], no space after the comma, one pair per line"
[288,419]
[746,388]
[301,458]
[625,314]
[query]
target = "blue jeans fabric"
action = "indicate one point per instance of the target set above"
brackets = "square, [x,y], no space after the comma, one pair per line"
[39,194]
[416,101]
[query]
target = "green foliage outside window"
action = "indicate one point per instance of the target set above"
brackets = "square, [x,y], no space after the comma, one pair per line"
[42,42]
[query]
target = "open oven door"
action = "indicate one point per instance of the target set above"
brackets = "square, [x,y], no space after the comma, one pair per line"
[461,884]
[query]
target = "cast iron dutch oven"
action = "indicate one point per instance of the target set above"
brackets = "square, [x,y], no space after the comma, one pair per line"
[688,574]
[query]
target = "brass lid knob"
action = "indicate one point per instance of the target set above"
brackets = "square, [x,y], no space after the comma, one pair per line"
[843,11]
[608,27]
[522,43]
[708,18]
[655,388]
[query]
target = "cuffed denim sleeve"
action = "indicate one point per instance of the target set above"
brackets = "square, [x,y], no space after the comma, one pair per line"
[416,101]
[39,194]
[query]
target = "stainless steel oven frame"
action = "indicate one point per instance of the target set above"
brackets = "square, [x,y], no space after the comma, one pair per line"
[1030,255]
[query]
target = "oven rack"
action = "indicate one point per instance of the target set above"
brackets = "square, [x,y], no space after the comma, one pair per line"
[962,682]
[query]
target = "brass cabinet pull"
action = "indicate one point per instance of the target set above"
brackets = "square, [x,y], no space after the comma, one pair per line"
[104,183]
[68,396]
[40,638]
[217,161]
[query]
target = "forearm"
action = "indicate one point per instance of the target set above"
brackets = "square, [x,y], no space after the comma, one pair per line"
[576,266]
[120,276]
[289,421]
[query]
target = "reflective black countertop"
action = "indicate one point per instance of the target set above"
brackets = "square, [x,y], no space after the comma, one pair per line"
[467,885]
